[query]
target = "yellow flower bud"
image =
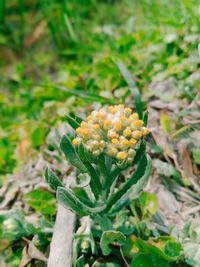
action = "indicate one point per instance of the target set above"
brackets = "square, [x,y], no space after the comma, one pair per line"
[96,137]
[96,126]
[145,131]
[89,118]
[107,124]
[122,155]
[127,111]
[138,123]
[100,116]
[133,142]
[131,153]
[75,142]
[137,134]
[135,116]
[85,132]
[125,142]
[118,126]
[113,110]
[112,151]
[114,141]
[112,134]
[127,132]
[83,124]
[102,144]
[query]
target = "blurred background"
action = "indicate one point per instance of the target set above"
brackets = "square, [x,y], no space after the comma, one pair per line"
[58,58]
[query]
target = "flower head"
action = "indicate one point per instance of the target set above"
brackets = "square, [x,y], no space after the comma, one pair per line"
[113,130]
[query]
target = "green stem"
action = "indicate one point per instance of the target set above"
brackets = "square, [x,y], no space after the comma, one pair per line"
[2,11]
[133,209]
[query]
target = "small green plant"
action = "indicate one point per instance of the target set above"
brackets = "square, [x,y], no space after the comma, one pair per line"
[110,142]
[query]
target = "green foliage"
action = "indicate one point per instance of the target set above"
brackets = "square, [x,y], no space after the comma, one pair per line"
[196,155]
[108,238]
[71,154]
[42,201]
[146,260]
[52,179]
[38,136]
[149,203]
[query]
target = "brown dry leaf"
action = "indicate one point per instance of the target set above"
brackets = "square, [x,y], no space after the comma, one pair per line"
[10,196]
[30,252]
[185,159]
[36,34]
[24,146]
[158,104]
[163,142]
[187,167]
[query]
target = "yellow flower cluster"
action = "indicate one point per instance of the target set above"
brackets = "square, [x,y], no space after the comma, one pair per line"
[114,130]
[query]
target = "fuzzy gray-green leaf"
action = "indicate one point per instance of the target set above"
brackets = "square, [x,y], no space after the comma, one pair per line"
[71,154]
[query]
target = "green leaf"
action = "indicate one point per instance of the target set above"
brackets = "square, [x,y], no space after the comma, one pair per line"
[173,248]
[114,173]
[38,136]
[52,179]
[141,260]
[72,122]
[84,154]
[145,118]
[110,237]
[128,184]
[95,184]
[140,152]
[71,154]
[85,95]
[69,200]
[12,227]
[166,123]
[41,201]
[132,86]
[196,155]
[81,194]
[149,260]
[146,247]
[134,191]
[149,203]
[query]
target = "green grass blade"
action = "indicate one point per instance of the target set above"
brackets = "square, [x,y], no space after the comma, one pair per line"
[88,96]
[2,12]
[132,87]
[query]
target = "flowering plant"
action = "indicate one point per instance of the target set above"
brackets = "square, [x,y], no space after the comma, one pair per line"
[108,143]
[108,151]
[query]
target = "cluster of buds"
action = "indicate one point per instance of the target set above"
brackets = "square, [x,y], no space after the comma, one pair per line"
[113,130]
